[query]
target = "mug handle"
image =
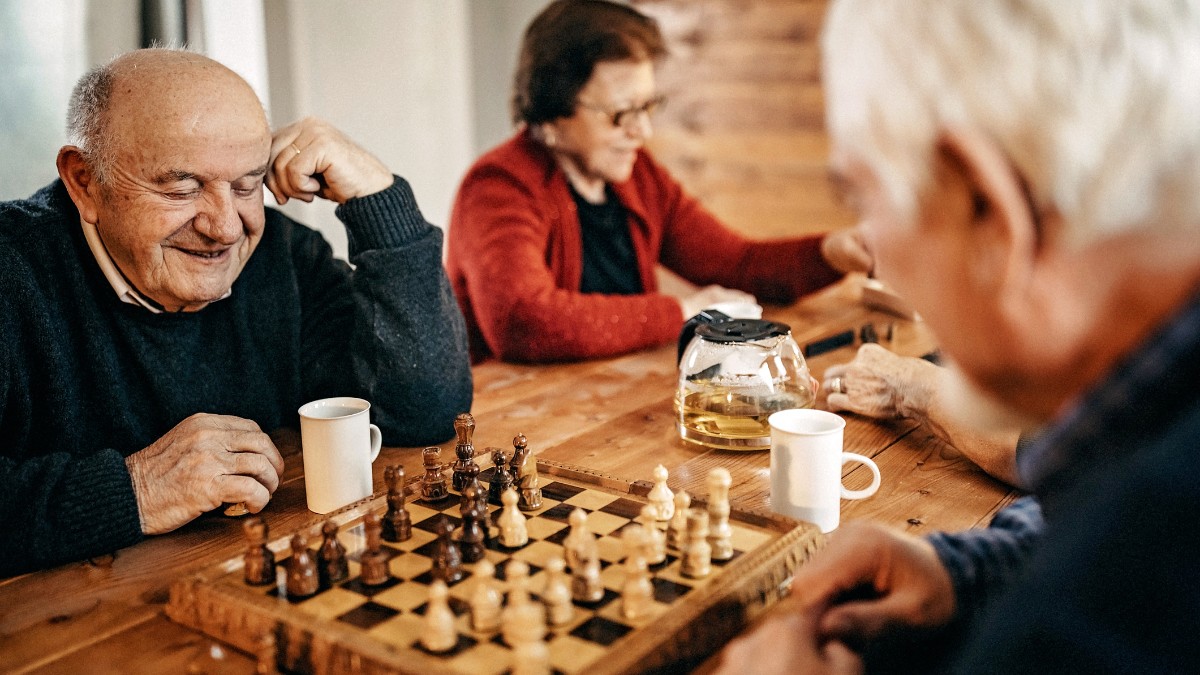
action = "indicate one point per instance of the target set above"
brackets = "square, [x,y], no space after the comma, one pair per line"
[376,441]
[875,478]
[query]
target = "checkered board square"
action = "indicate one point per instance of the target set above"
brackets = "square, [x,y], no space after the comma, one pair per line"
[383,623]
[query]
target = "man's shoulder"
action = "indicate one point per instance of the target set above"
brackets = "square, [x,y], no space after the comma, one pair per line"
[21,218]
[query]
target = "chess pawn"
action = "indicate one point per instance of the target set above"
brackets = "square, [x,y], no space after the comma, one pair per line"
[447,559]
[579,543]
[697,554]
[397,523]
[501,480]
[531,658]
[438,633]
[677,529]
[654,547]
[374,561]
[720,535]
[637,594]
[471,538]
[511,522]
[525,467]
[464,467]
[486,599]
[557,593]
[332,566]
[259,561]
[433,483]
[585,580]
[661,496]
[302,579]
[522,620]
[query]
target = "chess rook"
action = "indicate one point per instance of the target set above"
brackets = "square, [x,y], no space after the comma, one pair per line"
[720,536]
[697,554]
[433,483]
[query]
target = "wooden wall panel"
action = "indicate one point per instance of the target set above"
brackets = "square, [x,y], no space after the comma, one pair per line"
[743,128]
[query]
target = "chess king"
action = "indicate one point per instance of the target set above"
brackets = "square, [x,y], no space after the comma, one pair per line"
[158,319]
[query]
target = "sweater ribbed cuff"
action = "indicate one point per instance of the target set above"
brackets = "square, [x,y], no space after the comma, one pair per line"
[387,219]
[99,513]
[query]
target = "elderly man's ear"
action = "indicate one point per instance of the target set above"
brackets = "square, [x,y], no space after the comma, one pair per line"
[78,177]
[1004,237]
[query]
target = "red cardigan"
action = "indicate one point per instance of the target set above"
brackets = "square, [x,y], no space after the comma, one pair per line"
[515,259]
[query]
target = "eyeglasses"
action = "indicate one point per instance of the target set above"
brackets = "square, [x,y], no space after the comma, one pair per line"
[627,118]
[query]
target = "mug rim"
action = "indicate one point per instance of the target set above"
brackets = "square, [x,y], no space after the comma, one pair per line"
[779,421]
[342,401]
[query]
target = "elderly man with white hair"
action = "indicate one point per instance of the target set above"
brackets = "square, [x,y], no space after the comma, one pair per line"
[1028,174]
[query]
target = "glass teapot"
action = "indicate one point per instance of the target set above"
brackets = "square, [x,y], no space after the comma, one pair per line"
[733,374]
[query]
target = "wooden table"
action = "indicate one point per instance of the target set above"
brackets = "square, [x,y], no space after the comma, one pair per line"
[615,416]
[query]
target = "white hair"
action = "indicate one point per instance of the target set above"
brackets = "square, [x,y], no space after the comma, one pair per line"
[1096,102]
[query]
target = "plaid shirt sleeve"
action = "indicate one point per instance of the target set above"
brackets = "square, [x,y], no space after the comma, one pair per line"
[982,562]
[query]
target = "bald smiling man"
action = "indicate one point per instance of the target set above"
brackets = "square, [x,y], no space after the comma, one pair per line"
[157,319]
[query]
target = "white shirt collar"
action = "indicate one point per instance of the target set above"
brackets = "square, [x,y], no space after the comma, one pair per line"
[125,290]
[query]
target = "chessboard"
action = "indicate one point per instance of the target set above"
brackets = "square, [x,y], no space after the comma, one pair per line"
[353,628]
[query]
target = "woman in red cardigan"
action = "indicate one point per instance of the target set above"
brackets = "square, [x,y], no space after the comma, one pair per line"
[555,235]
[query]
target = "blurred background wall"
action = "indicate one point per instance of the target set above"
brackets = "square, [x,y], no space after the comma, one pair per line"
[424,84]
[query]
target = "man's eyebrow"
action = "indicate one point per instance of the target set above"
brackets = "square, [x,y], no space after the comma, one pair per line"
[174,176]
[260,171]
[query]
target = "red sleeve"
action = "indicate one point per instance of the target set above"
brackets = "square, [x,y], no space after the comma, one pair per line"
[704,251]
[503,244]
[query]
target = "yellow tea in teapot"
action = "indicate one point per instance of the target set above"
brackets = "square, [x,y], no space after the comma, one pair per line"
[735,417]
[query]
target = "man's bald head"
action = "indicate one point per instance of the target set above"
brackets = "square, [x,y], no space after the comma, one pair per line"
[155,92]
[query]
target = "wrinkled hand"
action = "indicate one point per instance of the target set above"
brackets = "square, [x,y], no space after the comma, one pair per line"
[310,159]
[206,460]
[846,251]
[873,583]
[709,296]
[880,384]
[787,642]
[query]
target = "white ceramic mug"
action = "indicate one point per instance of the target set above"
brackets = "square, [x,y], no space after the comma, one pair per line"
[339,444]
[806,466]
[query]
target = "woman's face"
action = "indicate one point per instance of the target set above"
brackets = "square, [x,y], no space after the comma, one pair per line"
[599,143]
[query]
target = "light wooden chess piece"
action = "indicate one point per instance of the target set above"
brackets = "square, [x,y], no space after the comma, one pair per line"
[397,523]
[637,593]
[302,579]
[579,543]
[332,566]
[720,535]
[585,579]
[654,548]
[531,657]
[522,620]
[259,562]
[438,634]
[511,522]
[557,593]
[697,555]
[677,530]
[486,599]
[433,483]
[661,496]
[528,483]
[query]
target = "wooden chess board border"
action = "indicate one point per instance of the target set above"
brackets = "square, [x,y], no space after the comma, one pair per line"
[691,631]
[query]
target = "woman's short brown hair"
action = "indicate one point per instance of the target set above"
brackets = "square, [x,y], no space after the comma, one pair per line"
[563,45]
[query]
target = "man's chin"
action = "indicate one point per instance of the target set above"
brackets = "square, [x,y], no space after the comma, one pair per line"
[977,409]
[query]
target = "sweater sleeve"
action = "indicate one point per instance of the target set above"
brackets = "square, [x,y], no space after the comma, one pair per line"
[501,235]
[57,508]
[703,250]
[388,330]
[982,562]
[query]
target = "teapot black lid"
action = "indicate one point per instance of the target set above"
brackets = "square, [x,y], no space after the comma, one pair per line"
[742,330]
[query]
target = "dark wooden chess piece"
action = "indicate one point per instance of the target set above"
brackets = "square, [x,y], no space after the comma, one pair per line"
[397,523]
[447,559]
[464,466]
[374,560]
[472,537]
[525,467]
[501,478]
[332,566]
[259,561]
[433,483]
[302,577]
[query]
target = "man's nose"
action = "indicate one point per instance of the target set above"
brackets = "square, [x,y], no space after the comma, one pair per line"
[217,217]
